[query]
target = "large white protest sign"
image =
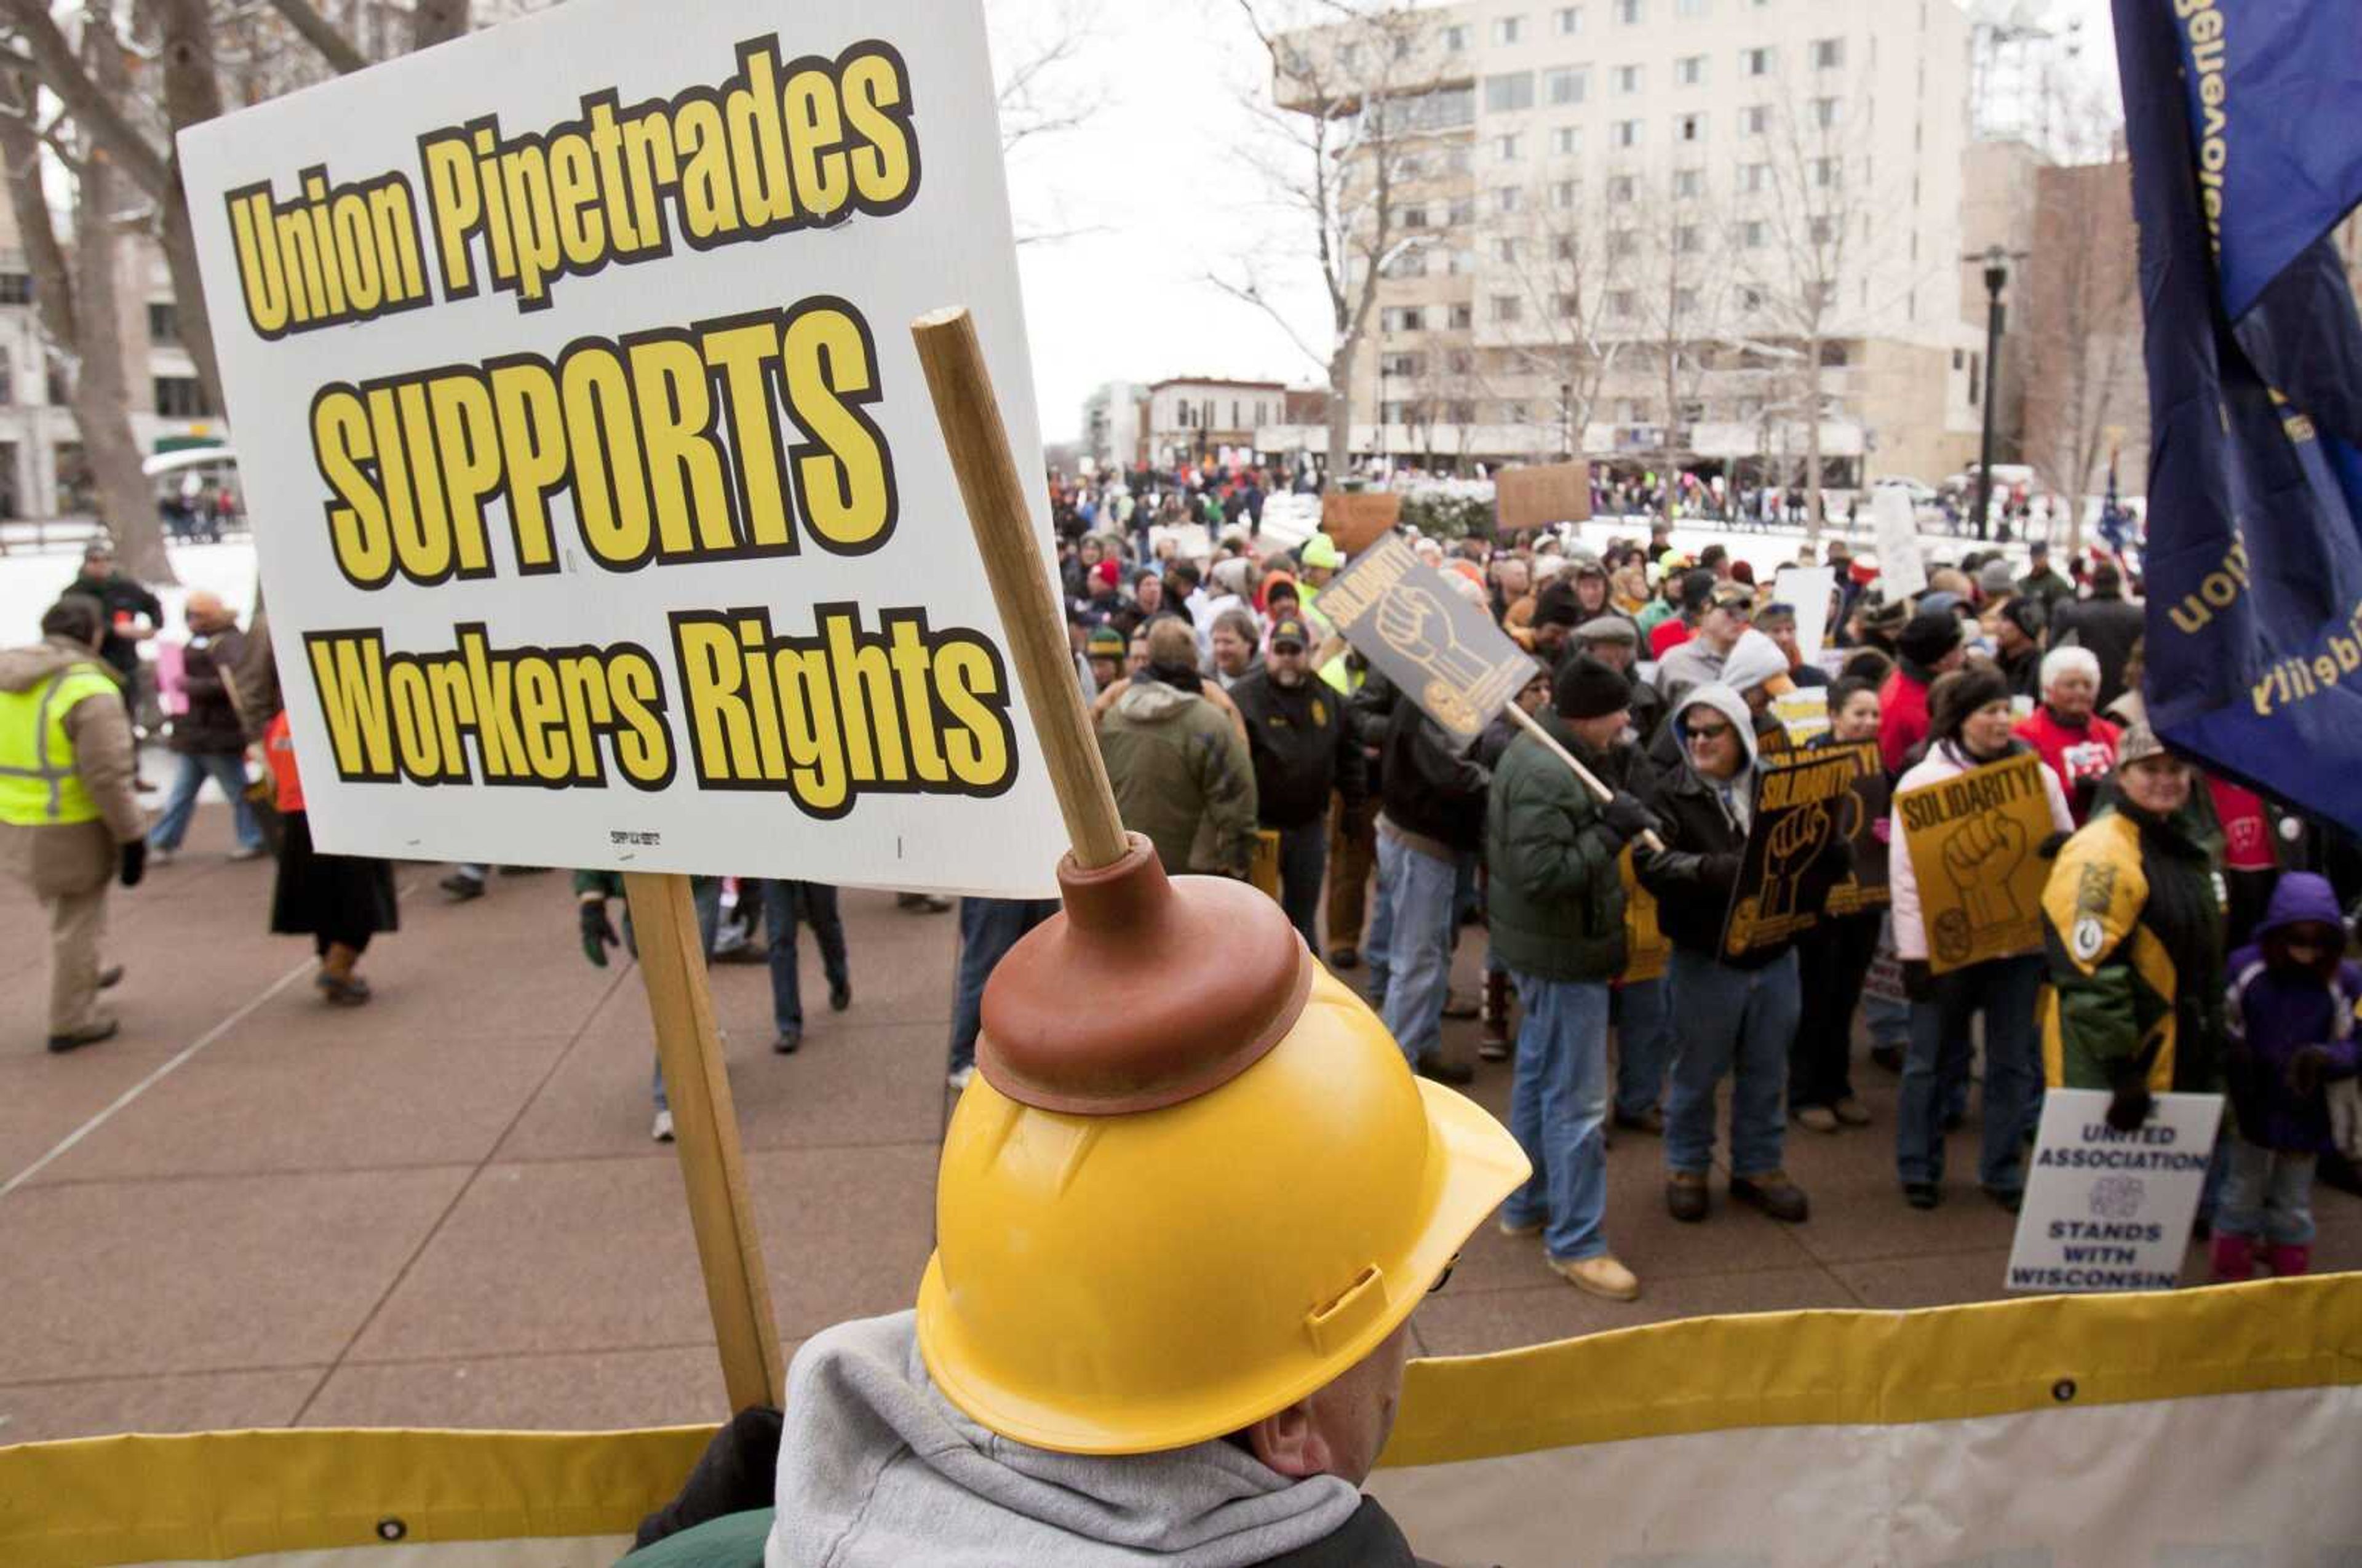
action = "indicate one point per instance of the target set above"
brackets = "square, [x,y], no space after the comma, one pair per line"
[1902,565]
[1807,589]
[603,513]
[2110,1210]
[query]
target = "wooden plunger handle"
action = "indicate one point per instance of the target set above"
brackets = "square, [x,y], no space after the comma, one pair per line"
[1001,516]
[1590,781]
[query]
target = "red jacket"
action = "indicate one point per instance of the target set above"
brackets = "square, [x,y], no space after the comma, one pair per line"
[1902,719]
[2080,757]
[1668,634]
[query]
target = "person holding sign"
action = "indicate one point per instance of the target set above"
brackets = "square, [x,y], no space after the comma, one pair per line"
[2133,920]
[1969,721]
[1556,919]
[1833,958]
[1732,1016]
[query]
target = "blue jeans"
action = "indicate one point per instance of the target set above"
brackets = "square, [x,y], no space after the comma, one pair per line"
[816,903]
[227,770]
[1557,1110]
[1644,1043]
[2266,1195]
[1733,1022]
[1420,889]
[989,928]
[705,893]
[1379,939]
[1935,1071]
[1303,860]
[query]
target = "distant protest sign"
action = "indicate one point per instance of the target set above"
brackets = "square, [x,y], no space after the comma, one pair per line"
[1864,885]
[1357,519]
[1972,840]
[2110,1210]
[1794,852]
[1441,651]
[600,503]
[1538,497]
[1804,712]
[1902,565]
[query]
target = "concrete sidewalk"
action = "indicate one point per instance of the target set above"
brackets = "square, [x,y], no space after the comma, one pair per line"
[443,1209]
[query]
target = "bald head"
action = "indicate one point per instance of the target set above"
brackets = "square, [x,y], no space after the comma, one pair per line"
[206,613]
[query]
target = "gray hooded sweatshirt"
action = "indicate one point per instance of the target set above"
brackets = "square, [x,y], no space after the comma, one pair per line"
[878,1470]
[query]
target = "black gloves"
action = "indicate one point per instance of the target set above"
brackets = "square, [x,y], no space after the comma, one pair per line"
[598,932]
[135,863]
[2128,1082]
[1626,817]
[1918,981]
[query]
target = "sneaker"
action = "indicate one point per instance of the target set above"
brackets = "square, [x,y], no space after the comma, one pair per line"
[1774,1194]
[89,1034]
[788,1041]
[921,904]
[1519,1227]
[840,995]
[1851,1111]
[959,1076]
[158,859]
[1816,1119]
[1493,1049]
[1652,1122]
[243,852]
[350,991]
[1922,1194]
[662,1129]
[460,889]
[1344,957]
[1458,1074]
[110,976]
[1602,1277]
[1685,1196]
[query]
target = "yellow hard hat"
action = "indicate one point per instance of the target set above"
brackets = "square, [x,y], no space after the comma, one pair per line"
[1134,1282]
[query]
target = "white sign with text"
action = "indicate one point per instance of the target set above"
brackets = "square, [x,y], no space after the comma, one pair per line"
[2110,1210]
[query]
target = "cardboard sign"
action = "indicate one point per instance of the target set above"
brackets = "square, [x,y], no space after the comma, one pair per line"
[1865,886]
[1902,565]
[600,503]
[1972,841]
[1439,650]
[1647,948]
[1538,497]
[1803,803]
[1805,712]
[2110,1210]
[1808,589]
[1358,519]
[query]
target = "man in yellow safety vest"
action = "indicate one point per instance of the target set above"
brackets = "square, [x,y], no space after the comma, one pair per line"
[69,821]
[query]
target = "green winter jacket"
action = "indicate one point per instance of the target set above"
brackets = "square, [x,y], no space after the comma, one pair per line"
[1181,776]
[1556,904]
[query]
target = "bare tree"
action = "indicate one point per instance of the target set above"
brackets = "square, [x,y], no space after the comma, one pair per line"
[2083,327]
[1677,291]
[1046,91]
[1553,258]
[1350,87]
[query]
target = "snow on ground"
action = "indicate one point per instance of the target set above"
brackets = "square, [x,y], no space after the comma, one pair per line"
[31,583]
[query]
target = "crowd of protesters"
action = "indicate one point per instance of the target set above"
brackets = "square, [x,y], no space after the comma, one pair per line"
[2195,936]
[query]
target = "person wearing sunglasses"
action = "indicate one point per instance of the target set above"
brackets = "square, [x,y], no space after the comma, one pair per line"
[1735,1017]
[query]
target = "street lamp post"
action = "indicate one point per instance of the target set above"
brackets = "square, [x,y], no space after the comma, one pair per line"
[1996,279]
[1566,420]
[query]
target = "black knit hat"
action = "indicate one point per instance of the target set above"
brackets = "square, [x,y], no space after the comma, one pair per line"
[1961,692]
[1930,634]
[1586,689]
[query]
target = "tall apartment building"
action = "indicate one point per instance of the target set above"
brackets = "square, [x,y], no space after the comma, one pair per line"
[1635,228]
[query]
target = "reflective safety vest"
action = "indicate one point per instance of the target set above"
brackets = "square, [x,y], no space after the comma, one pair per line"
[39,785]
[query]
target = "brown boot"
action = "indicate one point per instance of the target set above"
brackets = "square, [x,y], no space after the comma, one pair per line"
[1494,1043]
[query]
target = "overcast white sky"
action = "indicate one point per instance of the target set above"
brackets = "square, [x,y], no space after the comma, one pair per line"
[1155,197]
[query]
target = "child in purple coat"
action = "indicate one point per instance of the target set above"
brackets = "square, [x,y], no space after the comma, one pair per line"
[2295,1000]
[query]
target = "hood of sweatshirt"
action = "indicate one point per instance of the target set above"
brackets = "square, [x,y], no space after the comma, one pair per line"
[1753,659]
[1152,702]
[21,669]
[878,1470]
[1727,703]
[2302,897]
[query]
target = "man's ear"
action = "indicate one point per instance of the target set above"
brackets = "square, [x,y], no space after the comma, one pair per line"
[1291,1442]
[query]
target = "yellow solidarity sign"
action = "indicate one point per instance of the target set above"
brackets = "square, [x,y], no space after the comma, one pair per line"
[1972,840]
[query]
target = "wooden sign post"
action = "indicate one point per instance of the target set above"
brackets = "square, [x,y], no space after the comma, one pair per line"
[705,1132]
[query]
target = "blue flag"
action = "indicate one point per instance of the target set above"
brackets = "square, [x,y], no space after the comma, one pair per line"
[2275,89]
[2254,553]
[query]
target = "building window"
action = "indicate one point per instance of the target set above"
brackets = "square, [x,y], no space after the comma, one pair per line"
[1689,239]
[1455,39]
[1630,13]
[7,399]
[1402,364]
[1463,211]
[1829,172]
[1567,20]
[1624,133]
[1692,8]
[1828,54]
[1960,359]
[16,288]
[1629,78]
[1402,318]
[181,397]
[1569,306]
[1504,148]
[1755,63]
[1690,71]
[1414,217]
[1505,252]
[1410,263]
[1508,30]
[1567,84]
[1828,112]
[1621,189]
[1563,248]
[1623,304]
[1562,195]
[1754,177]
[1751,235]
[1507,199]
[1504,307]
[1565,141]
[1685,302]
[1689,182]
[1689,127]
[1755,119]
[1976,378]
[1510,93]
[1824,229]
[163,321]
[1461,318]
[1624,242]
